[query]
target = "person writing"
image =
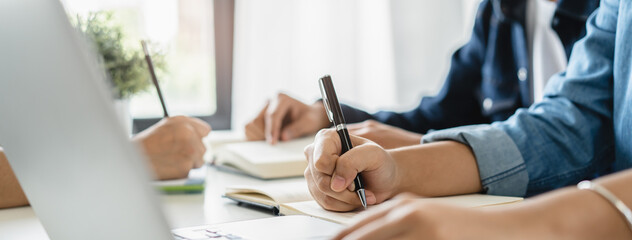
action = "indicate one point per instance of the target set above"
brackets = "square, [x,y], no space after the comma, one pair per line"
[580,130]
[515,46]
[173,146]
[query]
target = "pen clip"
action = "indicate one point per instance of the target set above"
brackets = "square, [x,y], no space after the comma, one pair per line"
[323,92]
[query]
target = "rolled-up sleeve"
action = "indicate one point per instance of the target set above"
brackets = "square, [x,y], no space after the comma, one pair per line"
[561,140]
[501,167]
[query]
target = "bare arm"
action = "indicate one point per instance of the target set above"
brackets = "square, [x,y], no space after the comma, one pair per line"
[567,213]
[571,213]
[11,194]
[435,169]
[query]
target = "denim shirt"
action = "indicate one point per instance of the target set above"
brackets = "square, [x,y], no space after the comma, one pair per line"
[487,79]
[581,130]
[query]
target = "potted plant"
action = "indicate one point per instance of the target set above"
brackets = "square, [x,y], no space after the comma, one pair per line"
[125,66]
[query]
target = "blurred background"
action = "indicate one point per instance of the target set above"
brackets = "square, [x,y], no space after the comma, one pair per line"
[381,54]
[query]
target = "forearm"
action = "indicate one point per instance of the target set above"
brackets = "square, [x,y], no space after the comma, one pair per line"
[571,213]
[437,169]
[11,194]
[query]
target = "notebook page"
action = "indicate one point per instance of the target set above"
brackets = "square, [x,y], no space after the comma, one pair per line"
[279,192]
[469,201]
[260,152]
[312,208]
[474,200]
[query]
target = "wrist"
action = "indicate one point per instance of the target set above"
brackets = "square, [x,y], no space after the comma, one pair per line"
[414,138]
[400,179]
[563,214]
[437,169]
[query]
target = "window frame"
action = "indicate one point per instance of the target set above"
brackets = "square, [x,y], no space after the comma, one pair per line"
[223,22]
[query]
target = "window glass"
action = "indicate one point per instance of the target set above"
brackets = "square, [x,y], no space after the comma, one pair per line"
[183,31]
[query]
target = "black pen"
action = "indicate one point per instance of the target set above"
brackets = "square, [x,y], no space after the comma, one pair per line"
[334,113]
[150,65]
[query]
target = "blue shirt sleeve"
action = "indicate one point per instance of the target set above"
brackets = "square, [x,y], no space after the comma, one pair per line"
[456,104]
[563,139]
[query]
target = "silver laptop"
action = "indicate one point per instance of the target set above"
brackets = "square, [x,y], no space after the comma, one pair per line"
[73,158]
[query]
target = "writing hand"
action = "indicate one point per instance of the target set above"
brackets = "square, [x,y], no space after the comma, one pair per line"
[330,176]
[174,145]
[285,118]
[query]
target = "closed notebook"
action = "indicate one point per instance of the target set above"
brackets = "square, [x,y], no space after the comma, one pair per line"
[293,198]
[262,160]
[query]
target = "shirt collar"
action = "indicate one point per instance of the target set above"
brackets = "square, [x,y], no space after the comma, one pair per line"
[579,10]
[510,10]
[515,10]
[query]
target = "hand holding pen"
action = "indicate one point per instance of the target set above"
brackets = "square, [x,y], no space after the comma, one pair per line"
[337,118]
[332,174]
[174,144]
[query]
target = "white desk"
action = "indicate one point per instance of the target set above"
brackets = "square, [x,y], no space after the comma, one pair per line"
[181,210]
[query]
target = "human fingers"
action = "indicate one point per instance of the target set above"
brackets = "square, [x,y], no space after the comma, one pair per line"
[379,228]
[364,157]
[326,148]
[187,145]
[354,126]
[200,150]
[318,184]
[376,212]
[367,129]
[386,221]
[321,181]
[201,127]
[301,127]
[305,119]
[276,112]
[323,161]
[254,130]
[325,201]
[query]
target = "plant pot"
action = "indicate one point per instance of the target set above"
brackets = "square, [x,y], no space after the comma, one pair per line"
[121,106]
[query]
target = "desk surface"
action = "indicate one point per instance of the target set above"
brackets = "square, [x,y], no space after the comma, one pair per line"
[181,210]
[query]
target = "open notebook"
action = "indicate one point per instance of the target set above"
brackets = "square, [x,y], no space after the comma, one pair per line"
[260,159]
[293,198]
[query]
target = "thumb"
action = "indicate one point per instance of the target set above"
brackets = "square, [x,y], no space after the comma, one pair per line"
[364,157]
[296,129]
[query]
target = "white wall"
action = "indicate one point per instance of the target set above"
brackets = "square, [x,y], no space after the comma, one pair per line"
[381,54]
[425,34]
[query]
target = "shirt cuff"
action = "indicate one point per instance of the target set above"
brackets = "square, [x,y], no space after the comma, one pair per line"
[500,165]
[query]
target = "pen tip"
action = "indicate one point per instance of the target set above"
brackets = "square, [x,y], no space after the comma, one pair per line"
[362,196]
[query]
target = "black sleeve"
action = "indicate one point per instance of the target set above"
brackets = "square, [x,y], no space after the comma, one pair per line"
[456,104]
